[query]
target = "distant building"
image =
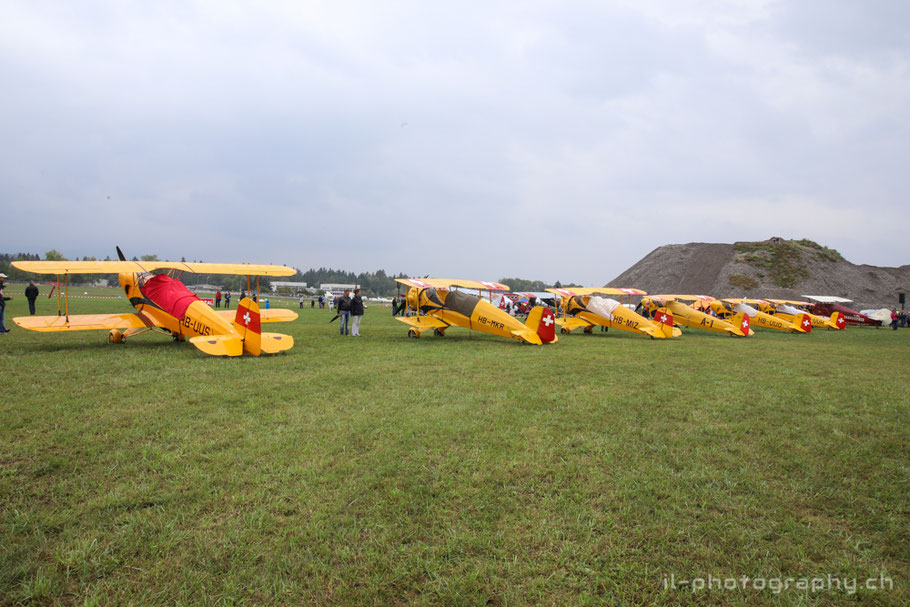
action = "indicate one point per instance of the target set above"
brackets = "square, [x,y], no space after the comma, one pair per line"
[337,290]
[293,286]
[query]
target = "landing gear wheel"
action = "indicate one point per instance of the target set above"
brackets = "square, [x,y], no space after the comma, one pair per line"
[413,333]
[439,332]
[564,331]
[589,330]
[115,337]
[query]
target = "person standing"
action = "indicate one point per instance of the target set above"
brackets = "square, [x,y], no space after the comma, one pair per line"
[218,299]
[356,313]
[31,294]
[894,318]
[344,311]
[227,300]
[301,302]
[3,300]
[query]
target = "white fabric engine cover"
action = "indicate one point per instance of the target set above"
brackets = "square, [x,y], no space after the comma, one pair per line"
[603,306]
[789,310]
[747,310]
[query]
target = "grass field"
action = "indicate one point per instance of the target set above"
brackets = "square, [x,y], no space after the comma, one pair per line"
[464,470]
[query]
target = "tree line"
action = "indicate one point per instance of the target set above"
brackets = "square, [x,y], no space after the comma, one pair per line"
[373,284]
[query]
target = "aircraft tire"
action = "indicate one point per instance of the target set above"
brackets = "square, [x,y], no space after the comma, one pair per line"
[115,337]
[589,330]
[564,331]
[413,333]
[439,333]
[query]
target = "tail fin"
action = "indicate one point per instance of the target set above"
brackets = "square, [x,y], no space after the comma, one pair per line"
[248,327]
[741,322]
[838,319]
[542,321]
[804,323]
[664,321]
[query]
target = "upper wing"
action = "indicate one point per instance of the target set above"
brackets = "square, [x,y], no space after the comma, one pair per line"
[570,291]
[80,322]
[687,297]
[827,299]
[128,267]
[270,315]
[444,283]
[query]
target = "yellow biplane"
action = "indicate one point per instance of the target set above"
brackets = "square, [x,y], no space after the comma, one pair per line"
[798,323]
[788,308]
[693,315]
[588,309]
[163,303]
[435,303]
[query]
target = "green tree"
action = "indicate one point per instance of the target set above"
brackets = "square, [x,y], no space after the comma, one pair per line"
[54,255]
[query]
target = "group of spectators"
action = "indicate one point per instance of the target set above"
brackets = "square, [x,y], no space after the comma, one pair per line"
[899,319]
[350,311]
[227,299]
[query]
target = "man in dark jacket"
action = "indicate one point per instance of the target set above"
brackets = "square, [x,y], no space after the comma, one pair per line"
[344,311]
[356,313]
[3,300]
[31,294]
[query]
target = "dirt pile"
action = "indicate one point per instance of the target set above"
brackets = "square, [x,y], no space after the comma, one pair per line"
[784,269]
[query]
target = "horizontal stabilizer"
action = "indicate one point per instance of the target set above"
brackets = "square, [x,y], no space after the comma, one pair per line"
[269,315]
[219,345]
[528,335]
[272,343]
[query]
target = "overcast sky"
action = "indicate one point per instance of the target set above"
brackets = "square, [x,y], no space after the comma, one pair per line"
[547,140]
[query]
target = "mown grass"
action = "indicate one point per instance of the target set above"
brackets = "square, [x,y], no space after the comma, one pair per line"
[462,470]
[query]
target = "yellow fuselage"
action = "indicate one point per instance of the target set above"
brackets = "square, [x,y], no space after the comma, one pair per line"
[464,310]
[199,318]
[623,318]
[690,317]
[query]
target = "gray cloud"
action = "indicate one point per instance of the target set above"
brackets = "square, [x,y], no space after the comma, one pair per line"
[546,140]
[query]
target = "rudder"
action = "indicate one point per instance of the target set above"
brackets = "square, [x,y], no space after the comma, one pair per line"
[247,324]
[542,321]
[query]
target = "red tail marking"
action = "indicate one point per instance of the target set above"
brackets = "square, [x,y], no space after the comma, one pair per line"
[745,324]
[546,330]
[249,319]
[664,318]
[806,323]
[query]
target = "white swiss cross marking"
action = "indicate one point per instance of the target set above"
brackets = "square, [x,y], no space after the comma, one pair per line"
[663,318]
[492,285]
[806,323]
[745,323]
[246,318]
[548,321]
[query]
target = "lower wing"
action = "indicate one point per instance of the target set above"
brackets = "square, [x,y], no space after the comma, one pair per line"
[80,322]
[570,323]
[422,322]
